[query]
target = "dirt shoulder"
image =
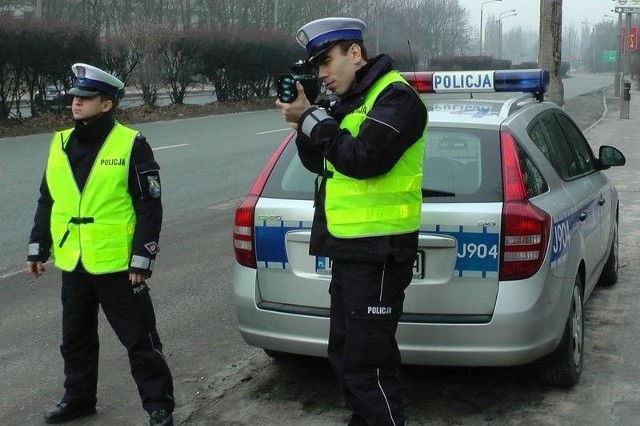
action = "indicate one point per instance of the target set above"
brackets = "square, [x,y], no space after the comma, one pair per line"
[48,122]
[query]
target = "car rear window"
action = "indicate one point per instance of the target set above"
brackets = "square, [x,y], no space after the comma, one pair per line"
[460,165]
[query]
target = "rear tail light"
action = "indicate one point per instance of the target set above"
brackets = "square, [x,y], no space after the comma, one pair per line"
[243,228]
[243,232]
[525,227]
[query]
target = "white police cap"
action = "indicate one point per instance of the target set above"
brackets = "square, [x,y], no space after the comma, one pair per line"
[320,35]
[91,81]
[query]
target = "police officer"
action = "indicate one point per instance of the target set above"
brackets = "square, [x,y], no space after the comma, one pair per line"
[99,215]
[368,150]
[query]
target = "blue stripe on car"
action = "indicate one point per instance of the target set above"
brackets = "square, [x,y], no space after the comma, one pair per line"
[477,249]
[566,224]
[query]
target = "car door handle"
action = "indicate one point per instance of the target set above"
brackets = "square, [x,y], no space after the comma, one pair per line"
[601,201]
[583,216]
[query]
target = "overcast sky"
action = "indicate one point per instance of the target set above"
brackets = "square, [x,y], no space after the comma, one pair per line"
[528,12]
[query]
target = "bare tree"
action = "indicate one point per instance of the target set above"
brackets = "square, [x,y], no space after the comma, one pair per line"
[147,41]
[550,51]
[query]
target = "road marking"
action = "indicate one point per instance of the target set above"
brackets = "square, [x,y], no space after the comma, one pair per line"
[604,113]
[273,131]
[225,205]
[169,146]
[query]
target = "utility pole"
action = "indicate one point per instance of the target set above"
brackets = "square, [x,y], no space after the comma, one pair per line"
[625,83]
[616,78]
[550,51]
[38,8]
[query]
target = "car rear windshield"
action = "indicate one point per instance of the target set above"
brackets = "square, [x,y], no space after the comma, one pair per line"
[460,165]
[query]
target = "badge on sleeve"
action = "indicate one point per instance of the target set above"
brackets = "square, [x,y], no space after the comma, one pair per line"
[154,186]
[152,247]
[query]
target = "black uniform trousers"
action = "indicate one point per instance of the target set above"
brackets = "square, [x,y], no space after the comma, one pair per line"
[366,304]
[130,313]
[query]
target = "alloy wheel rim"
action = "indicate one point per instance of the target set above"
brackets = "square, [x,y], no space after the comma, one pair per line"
[576,326]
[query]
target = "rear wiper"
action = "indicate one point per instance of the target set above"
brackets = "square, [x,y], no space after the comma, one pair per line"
[427,193]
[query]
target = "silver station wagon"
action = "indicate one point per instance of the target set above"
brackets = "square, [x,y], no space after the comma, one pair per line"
[518,226]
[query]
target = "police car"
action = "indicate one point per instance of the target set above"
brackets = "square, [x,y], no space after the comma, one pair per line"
[519,224]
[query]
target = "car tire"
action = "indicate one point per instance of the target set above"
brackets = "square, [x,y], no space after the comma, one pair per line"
[563,366]
[609,275]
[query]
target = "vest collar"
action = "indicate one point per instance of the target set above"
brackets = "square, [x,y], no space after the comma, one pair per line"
[365,77]
[94,131]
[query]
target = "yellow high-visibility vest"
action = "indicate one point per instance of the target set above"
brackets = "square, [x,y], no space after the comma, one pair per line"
[383,205]
[96,225]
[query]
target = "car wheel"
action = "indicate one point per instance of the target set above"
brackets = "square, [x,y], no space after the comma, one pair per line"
[563,366]
[609,275]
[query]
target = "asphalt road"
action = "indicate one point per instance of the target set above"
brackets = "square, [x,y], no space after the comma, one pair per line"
[208,164]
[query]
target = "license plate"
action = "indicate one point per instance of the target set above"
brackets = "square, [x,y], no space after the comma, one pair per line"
[418,266]
[323,265]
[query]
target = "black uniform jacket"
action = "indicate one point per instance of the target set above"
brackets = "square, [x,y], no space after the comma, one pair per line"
[82,150]
[396,121]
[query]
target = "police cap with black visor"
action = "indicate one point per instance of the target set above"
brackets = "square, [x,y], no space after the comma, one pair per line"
[317,38]
[91,81]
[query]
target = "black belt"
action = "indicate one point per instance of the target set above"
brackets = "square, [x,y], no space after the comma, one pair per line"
[75,221]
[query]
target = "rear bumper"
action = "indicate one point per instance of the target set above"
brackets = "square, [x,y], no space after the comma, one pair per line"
[521,330]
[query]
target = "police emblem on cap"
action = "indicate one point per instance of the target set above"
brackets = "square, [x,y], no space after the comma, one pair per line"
[81,71]
[302,38]
[154,186]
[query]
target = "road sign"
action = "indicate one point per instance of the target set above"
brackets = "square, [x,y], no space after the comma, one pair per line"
[632,44]
[627,9]
[609,56]
[627,3]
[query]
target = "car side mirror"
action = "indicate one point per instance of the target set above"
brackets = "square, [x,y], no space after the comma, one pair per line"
[610,156]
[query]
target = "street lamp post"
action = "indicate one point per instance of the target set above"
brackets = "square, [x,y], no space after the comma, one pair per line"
[586,32]
[506,12]
[481,11]
[500,29]
[616,75]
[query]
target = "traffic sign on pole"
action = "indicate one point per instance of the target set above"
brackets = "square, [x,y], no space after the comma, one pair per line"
[634,9]
[627,6]
[632,43]
[609,56]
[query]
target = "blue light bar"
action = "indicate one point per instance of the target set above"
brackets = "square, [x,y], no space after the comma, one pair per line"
[529,81]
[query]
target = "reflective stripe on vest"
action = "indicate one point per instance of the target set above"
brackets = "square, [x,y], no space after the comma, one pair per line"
[96,225]
[384,205]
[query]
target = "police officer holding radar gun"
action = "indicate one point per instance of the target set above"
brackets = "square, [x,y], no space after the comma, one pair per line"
[367,150]
[99,215]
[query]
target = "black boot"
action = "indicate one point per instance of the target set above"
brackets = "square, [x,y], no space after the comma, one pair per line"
[69,410]
[161,418]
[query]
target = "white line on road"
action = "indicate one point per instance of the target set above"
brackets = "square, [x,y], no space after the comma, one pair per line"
[226,204]
[273,131]
[170,146]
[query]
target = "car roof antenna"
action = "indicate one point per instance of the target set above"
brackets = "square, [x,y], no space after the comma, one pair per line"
[413,64]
